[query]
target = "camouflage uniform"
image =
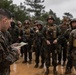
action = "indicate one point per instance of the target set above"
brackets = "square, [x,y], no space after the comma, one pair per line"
[38,41]
[51,34]
[27,37]
[63,43]
[71,52]
[70,35]
[8,37]
[72,47]
[14,31]
[7,55]
[20,37]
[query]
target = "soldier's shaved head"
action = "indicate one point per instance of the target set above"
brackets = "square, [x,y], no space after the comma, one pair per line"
[5,13]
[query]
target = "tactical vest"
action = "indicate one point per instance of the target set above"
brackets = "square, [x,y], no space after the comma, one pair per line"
[51,32]
[27,32]
[74,42]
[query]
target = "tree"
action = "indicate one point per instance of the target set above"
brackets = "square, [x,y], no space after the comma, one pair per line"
[35,7]
[5,3]
[46,14]
[19,12]
[69,15]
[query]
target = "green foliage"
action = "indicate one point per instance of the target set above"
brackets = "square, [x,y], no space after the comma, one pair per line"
[5,3]
[68,14]
[46,14]
[19,12]
[35,7]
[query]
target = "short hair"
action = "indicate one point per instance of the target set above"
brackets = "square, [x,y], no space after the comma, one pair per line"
[5,12]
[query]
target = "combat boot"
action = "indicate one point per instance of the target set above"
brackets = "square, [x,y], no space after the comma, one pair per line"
[47,71]
[36,66]
[59,63]
[63,63]
[54,70]
[21,55]
[24,61]
[68,71]
[42,65]
[29,62]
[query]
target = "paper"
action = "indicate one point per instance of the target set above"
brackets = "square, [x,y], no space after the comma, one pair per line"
[23,43]
[18,45]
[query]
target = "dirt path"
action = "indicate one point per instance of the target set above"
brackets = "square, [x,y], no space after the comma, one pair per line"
[18,68]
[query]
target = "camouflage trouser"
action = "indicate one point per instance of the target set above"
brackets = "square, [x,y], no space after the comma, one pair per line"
[71,59]
[47,58]
[50,49]
[27,53]
[37,54]
[74,57]
[5,72]
[69,63]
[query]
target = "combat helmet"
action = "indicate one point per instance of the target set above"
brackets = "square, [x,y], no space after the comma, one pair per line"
[73,20]
[19,22]
[40,23]
[51,17]
[26,22]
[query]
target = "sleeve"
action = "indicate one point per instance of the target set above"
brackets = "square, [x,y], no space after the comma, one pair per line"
[44,33]
[70,42]
[31,33]
[7,56]
[21,33]
[1,53]
[12,57]
[58,33]
[67,33]
[9,37]
[17,30]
